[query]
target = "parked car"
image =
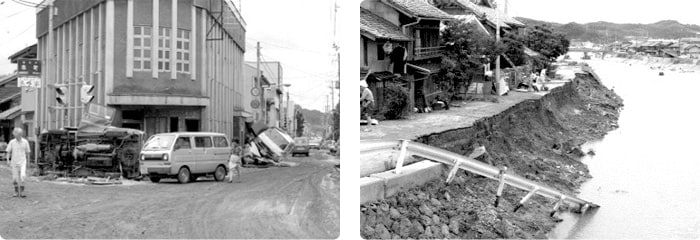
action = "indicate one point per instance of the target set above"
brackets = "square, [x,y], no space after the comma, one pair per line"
[185,156]
[301,146]
[315,144]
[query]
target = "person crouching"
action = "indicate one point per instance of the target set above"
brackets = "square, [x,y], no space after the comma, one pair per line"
[17,154]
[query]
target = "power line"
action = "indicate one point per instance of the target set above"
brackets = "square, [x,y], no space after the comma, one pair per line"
[14,14]
[290,48]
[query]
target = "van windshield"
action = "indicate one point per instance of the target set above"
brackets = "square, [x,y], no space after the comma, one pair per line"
[159,142]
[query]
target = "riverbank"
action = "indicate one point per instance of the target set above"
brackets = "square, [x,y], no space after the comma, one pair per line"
[537,138]
[664,64]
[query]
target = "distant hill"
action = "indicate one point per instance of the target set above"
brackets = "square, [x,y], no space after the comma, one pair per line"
[600,32]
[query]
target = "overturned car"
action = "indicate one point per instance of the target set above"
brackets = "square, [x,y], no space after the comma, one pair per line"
[111,152]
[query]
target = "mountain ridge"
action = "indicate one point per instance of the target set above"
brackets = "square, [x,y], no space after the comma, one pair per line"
[603,31]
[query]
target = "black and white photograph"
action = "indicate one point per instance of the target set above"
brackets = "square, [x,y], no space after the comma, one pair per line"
[521,119]
[169,119]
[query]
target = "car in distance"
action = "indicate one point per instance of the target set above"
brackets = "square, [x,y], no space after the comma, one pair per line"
[185,156]
[301,146]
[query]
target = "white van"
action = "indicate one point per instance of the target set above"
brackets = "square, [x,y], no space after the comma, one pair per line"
[185,156]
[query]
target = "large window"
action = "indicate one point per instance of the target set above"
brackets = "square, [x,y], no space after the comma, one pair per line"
[142,48]
[183,51]
[202,142]
[164,49]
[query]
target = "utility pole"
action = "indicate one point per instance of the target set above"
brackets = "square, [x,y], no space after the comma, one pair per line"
[496,81]
[263,104]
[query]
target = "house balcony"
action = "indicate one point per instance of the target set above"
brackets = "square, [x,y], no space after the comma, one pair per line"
[421,53]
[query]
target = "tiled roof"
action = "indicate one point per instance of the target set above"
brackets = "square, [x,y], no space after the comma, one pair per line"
[9,92]
[419,8]
[490,13]
[380,28]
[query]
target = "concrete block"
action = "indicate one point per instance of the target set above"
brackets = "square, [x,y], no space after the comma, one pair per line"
[412,175]
[371,189]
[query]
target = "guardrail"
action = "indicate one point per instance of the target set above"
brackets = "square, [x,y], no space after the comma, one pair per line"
[457,161]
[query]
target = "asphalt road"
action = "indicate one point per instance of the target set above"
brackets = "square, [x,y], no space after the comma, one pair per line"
[278,202]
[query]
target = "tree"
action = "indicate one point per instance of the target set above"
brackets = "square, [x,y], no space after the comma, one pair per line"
[467,50]
[543,39]
[300,123]
[336,122]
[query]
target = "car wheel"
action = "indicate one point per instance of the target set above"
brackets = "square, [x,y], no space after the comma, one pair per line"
[219,173]
[183,176]
[154,179]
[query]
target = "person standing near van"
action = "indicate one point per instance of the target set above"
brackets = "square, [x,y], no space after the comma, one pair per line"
[234,161]
[17,154]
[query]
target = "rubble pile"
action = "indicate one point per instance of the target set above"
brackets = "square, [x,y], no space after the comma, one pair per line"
[538,139]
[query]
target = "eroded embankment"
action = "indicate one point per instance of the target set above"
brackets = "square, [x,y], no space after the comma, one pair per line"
[537,139]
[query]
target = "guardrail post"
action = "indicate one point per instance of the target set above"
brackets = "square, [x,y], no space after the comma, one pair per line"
[527,197]
[557,205]
[453,171]
[402,156]
[583,208]
[501,185]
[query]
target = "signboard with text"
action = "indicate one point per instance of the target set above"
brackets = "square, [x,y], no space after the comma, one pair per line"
[28,67]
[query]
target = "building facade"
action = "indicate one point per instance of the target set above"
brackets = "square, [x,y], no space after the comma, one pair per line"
[164,65]
[17,103]
[412,24]
[272,94]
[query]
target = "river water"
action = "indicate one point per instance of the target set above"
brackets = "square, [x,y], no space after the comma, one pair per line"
[646,174]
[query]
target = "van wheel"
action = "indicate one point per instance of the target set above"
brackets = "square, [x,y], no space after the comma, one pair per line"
[219,173]
[183,176]
[154,179]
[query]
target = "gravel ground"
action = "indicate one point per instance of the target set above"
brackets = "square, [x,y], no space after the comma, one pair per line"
[284,202]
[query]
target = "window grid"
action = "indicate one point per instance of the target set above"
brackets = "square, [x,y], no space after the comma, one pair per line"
[164,50]
[183,51]
[142,48]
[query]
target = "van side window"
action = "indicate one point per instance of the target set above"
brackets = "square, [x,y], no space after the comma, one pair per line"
[220,142]
[202,142]
[183,143]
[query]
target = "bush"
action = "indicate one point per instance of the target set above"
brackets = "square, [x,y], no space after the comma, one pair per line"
[396,106]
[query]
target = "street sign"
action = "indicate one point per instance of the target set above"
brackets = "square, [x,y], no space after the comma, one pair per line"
[28,67]
[29,81]
[255,103]
[255,91]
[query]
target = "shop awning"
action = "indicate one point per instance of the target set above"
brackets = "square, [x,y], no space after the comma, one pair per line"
[10,113]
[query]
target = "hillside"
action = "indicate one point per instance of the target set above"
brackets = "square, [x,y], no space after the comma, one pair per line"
[600,32]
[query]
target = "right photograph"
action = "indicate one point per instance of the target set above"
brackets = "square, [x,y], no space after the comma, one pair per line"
[528,119]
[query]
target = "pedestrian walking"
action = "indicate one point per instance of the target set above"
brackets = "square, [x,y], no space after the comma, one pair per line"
[234,161]
[17,154]
[366,102]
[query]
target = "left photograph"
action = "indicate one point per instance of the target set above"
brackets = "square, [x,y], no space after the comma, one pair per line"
[169,119]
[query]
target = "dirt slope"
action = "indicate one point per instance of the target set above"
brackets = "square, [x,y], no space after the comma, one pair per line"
[537,139]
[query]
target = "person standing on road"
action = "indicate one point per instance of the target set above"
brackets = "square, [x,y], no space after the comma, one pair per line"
[366,102]
[234,161]
[17,154]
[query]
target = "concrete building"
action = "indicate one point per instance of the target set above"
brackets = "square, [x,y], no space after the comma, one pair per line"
[273,91]
[164,65]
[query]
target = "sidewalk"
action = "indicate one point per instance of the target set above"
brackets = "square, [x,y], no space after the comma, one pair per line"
[422,124]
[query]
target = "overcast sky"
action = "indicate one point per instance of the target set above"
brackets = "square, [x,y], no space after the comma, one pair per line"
[300,35]
[297,33]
